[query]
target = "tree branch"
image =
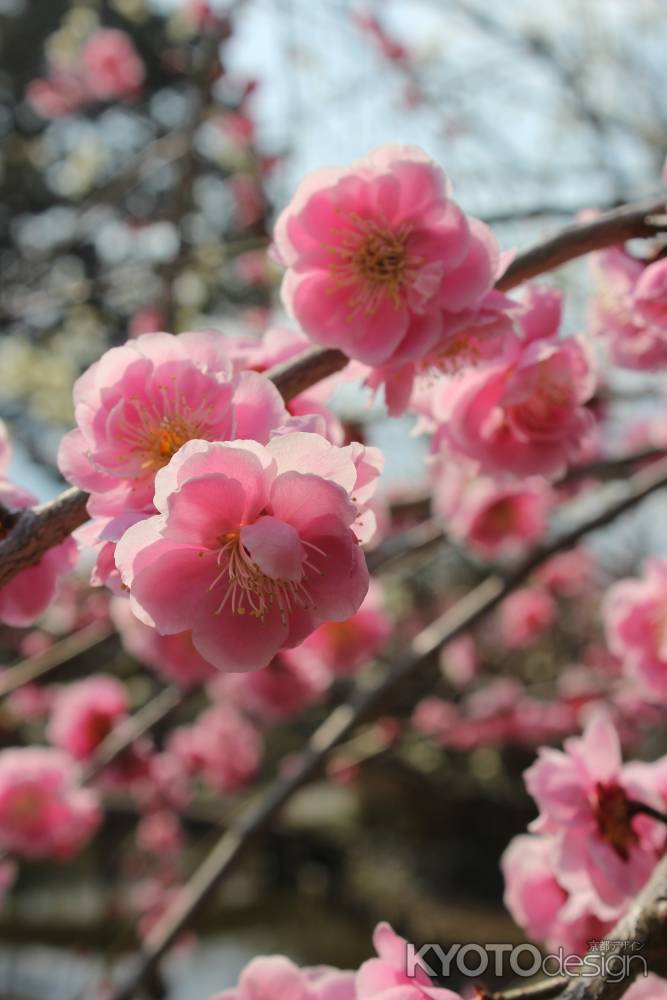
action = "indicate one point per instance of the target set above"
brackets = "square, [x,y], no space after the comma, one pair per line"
[344,720]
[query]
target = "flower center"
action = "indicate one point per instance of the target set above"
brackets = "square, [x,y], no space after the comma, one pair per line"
[260,573]
[614,816]
[155,430]
[373,259]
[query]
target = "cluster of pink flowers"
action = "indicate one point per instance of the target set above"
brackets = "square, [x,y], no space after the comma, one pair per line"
[234,530]
[591,849]
[107,68]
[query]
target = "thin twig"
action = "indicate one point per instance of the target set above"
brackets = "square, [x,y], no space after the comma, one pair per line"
[131,730]
[36,667]
[344,720]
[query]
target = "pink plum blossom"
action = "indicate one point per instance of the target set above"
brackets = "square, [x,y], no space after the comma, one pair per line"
[385,976]
[140,403]
[30,592]
[525,615]
[173,657]
[278,691]
[539,904]
[459,662]
[106,68]
[494,518]
[274,977]
[112,69]
[85,712]
[221,746]
[604,850]
[524,416]
[635,616]
[630,308]
[343,647]
[568,573]
[253,546]
[379,257]
[43,810]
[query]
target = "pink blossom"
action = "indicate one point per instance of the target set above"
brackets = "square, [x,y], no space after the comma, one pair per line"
[253,546]
[160,833]
[379,256]
[43,810]
[495,519]
[385,976]
[648,987]
[539,904]
[343,647]
[525,615]
[479,335]
[274,977]
[278,691]
[635,616]
[173,657]
[222,746]
[140,403]
[459,661]
[111,67]
[584,794]
[524,416]
[85,712]
[30,592]
[629,311]
[568,573]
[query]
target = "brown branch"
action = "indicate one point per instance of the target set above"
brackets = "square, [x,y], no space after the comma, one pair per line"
[345,719]
[38,529]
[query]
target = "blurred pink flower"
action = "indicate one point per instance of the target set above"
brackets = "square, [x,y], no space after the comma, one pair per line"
[85,712]
[221,746]
[343,647]
[111,67]
[629,310]
[494,518]
[274,977]
[525,615]
[278,691]
[173,657]
[43,810]
[635,616]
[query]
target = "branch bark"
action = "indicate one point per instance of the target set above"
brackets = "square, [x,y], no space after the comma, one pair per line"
[38,529]
[344,720]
